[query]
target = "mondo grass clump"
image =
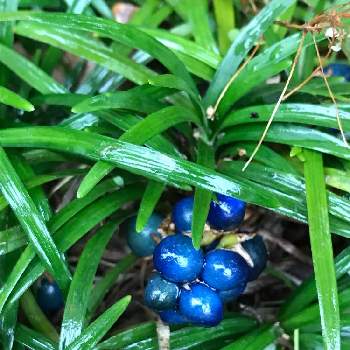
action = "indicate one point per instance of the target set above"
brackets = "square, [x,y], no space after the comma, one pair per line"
[174,174]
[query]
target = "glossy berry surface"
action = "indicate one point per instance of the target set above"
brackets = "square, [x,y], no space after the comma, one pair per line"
[143,243]
[224,269]
[257,251]
[201,305]
[173,317]
[232,294]
[338,70]
[182,214]
[177,260]
[49,296]
[226,213]
[161,294]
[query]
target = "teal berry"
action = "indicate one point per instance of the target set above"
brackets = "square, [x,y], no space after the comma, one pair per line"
[161,294]
[177,260]
[173,317]
[201,305]
[224,269]
[143,243]
[226,213]
[49,296]
[182,214]
[257,251]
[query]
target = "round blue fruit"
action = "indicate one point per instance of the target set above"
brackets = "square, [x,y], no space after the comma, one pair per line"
[338,70]
[49,296]
[182,214]
[161,294]
[224,269]
[177,260]
[257,251]
[143,243]
[226,213]
[172,317]
[201,305]
[232,294]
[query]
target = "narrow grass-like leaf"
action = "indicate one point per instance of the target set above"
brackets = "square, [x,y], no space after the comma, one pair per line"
[33,340]
[245,40]
[126,34]
[149,200]
[257,339]
[139,160]
[86,47]
[193,337]
[266,156]
[10,98]
[28,176]
[184,46]
[202,198]
[137,99]
[302,113]
[306,293]
[105,284]
[289,134]
[197,15]
[143,131]
[95,332]
[80,288]
[36,317]
[12,239]
[69,234]
[29,72]
[225,22]
[32,222]
[260,68]
[321,247]
[8,320]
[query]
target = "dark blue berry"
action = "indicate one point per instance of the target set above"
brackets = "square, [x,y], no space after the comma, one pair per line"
[256,249]
[172,317]
[232,294]
[49,296]
[201,305]
[338,70]
[143,243]
[177,260]
[182,214]
[224,269]
[226,213]
[161,294]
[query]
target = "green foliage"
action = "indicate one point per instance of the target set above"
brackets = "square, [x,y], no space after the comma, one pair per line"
[127,120]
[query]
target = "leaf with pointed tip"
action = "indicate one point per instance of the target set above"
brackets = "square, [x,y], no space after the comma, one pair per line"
[10,98]
[246,39]
[97,329]
[29,72]
[80,288]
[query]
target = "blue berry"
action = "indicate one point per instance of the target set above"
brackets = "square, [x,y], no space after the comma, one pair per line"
[182,214]
[177,260]
[256,249]
[224,269]
[49,296]
[143,243]
[226,213]
[232,294]
[172,317]
[201,305]
[161,294]
[338,70]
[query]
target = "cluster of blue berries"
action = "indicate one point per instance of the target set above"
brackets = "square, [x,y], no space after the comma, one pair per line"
[190,285]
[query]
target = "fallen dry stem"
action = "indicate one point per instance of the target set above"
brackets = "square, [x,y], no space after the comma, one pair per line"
[296,58]
[330,92]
